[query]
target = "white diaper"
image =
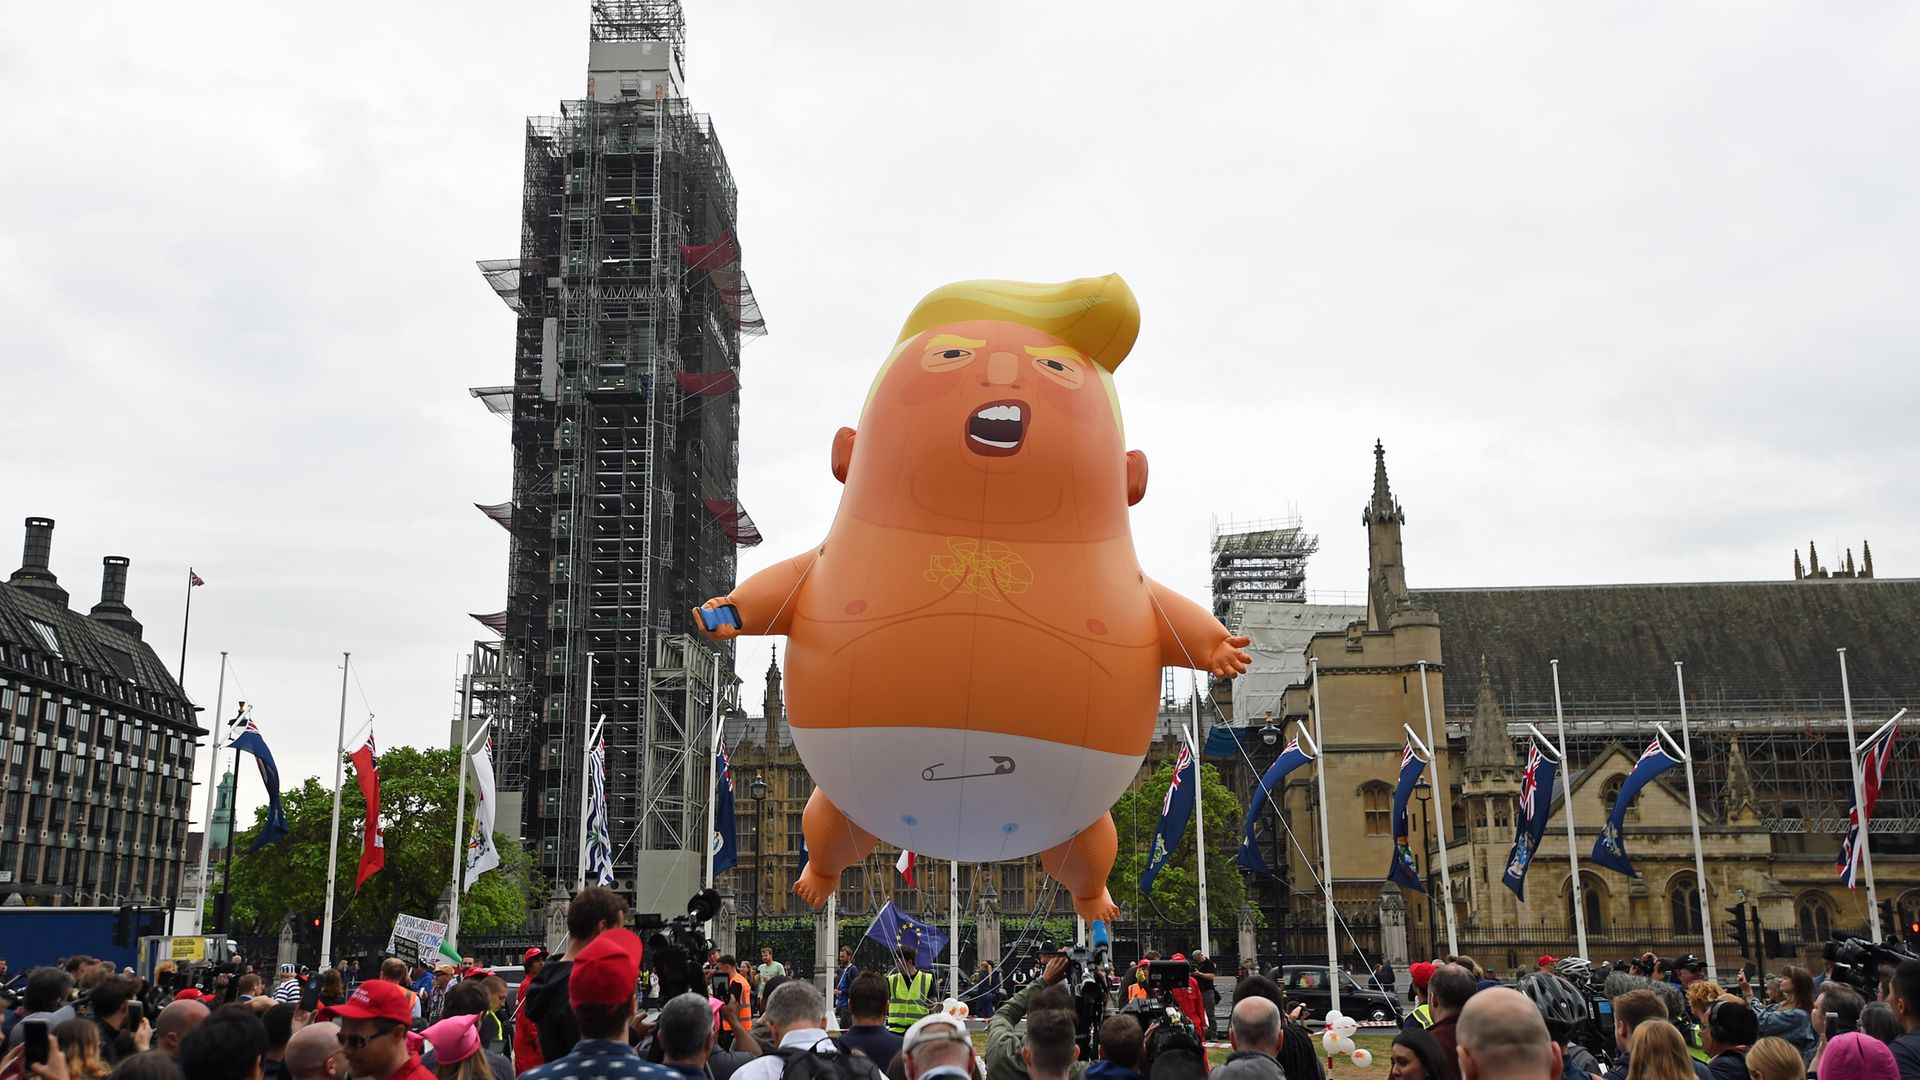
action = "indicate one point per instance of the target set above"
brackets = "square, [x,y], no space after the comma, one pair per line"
[975,796]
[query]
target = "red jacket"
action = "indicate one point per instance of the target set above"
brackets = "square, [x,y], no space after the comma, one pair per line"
[526,1038]
[1189,1002]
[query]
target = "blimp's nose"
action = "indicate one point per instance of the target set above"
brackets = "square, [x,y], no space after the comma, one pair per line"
[1002,369]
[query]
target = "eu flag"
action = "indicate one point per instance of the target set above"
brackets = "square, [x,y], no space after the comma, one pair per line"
[1290,759]
[726,847]
[1403,872]
[1610,850]
[1175,809]
[250,742]
[1536,796]
[892,928]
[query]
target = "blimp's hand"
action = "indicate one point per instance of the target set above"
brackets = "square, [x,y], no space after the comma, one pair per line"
[1229,658]
[718,618]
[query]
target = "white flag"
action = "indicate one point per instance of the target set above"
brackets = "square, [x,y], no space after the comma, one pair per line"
[482,856]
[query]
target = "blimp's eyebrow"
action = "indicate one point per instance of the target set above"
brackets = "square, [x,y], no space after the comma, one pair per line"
[1056,352]
[954,341]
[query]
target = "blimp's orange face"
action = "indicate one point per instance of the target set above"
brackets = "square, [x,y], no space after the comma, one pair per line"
[994,425]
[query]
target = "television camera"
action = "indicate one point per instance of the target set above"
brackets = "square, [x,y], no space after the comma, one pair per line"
[1857,960]
[677,950]
[1160,1015]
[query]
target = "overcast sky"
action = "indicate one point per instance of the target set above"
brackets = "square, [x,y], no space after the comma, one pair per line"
[1627,289]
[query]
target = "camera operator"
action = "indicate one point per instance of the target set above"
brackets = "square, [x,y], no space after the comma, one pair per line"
[1005,1042]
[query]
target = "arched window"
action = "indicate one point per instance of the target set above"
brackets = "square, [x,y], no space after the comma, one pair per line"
[1376,798]
[1595,905]
[1816,918]
[1610,791]
[1683,904]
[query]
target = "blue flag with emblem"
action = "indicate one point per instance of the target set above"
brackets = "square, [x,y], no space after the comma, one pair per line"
[724,841]
[893,928]
[1290,759]
[1536,797]
[275,827]
[1403,871]
[1610,850]
[1175,809]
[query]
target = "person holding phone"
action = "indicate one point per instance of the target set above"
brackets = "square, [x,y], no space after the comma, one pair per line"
[119,1012]
[45,999]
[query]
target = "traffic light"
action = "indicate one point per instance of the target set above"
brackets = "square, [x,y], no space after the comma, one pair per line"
[1889,922]
[1738,925]
[123,929]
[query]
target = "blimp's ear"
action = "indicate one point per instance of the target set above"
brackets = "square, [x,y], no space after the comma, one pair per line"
[1136,477]
[843,453]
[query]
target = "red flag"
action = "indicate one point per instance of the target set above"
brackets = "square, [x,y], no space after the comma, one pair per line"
[904,864]
[193,579]
[373,848]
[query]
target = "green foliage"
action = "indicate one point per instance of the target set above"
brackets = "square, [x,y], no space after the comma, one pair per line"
[1176,891]
[418,789]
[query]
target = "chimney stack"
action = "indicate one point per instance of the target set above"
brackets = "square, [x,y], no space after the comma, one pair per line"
[112,608]
[35,574]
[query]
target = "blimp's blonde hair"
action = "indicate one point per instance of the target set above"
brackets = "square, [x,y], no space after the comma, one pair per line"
[1097,316]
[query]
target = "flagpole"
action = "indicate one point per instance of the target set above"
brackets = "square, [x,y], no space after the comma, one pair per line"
[460,802]
[713,768]
[1326,844]
[333,836]
[1863,849]
[1693,813]
[233,834]
[1199,820]
[833,943]
[213,793]
[1566,811]
[1443,796]
[586,762]
[953,928]
[186,623]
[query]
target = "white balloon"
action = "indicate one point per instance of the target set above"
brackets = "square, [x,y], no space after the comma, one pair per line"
[1344,1046]
[1331,1041]
[1363,1057]
[1346,1027]
[1334,1016]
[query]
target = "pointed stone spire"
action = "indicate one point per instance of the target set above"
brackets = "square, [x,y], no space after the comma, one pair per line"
[1813,561]
[774,705]
[1849,563]
[1742,804]
[1488,747]
[1383,508]
[1866,560]
[1386,573]
[1799,570]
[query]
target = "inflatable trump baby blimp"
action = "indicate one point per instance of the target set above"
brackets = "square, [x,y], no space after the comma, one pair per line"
[974,654]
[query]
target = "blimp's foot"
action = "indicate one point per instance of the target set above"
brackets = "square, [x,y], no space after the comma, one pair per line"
[834,843]
[1082,865]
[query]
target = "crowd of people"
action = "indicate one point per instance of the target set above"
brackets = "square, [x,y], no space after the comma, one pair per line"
[579,1015]
[1655,1018]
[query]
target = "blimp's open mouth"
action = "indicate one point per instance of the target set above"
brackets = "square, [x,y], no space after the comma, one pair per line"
[997,428]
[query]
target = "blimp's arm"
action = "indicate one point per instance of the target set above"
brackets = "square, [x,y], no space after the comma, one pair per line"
[1191,637]
[763,604]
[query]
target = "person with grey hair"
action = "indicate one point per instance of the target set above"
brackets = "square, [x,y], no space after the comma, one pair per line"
[1254,1031]
[796,1019]
[686,1034]
[1503,1036]
[936,1046]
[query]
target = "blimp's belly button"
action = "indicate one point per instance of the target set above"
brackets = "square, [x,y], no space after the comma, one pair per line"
[855,607]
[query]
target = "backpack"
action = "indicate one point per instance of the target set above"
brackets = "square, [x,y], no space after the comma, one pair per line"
[804,1064]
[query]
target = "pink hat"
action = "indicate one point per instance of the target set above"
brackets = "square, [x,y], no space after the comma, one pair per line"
[454,1039]
[1854,1056]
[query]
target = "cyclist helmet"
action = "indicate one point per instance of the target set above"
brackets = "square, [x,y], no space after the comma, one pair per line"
[1561,1004]
[1575,969]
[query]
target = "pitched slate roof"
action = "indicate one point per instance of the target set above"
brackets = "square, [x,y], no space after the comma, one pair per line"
[86,642]
[1741,642]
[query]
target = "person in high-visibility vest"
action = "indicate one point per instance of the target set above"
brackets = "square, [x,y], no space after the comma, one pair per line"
[909,992]
[740,991]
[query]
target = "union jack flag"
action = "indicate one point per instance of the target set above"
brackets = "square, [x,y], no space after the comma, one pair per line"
[1530,782]
[1179,770]
[1873,769]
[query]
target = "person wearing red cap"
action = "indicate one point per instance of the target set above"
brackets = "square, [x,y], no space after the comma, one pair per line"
[526,1036]
[602,988]
[373,1031]
[1422,1014]
[594,912]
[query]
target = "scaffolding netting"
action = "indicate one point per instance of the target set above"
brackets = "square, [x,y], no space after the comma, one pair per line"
[738,296]
[734,521]
[497,399]
[708,383]
[504,276]
[496,622]
[502,513]
[711,256]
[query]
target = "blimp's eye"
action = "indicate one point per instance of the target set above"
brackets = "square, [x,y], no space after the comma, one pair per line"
[954,354]
[1055,365]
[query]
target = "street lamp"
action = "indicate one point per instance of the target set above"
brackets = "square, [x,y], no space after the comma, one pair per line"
[1424,792]
[758,791]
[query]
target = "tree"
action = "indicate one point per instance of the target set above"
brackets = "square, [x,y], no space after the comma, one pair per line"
[418,789]
[1176,891]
